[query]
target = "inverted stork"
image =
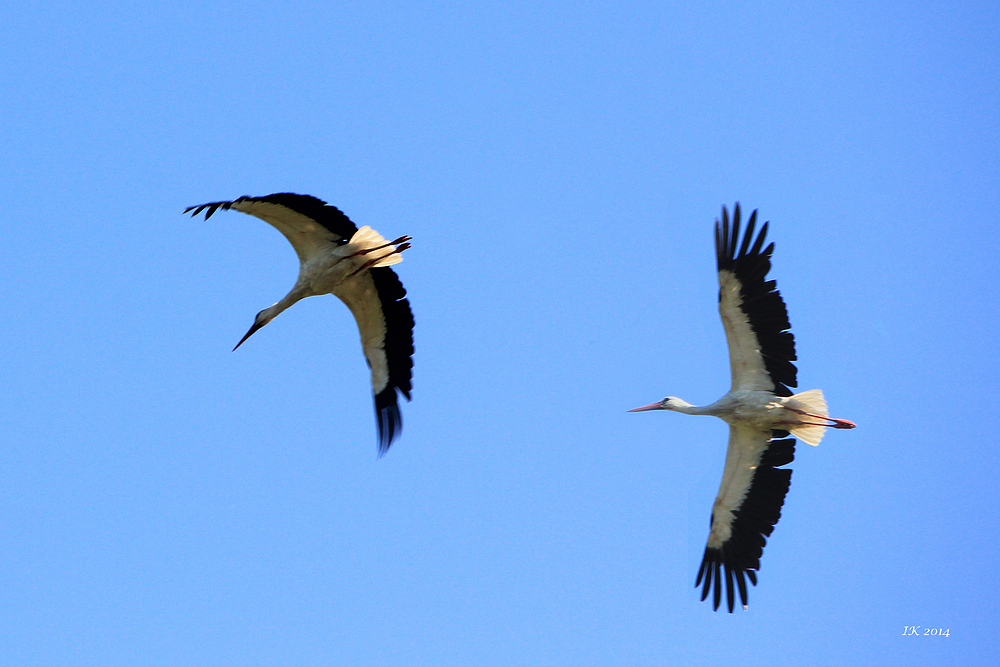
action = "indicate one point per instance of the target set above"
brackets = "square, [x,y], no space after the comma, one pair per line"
[759,408]
[338,258]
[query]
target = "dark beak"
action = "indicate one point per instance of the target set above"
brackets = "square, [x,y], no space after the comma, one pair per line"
[253,329]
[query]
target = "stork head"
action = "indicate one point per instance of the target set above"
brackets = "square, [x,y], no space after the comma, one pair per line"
[263,317]
[669,403]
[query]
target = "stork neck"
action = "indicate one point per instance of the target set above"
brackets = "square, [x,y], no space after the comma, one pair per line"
[683,406]
[298,293]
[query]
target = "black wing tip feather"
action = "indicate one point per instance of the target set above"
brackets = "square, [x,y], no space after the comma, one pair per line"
[296,202]
[211,207]
[390,419]
[762,302]
[727,239]
[753,522]
[327,215]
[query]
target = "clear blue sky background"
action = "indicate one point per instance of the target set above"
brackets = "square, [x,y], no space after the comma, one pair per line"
[165,501]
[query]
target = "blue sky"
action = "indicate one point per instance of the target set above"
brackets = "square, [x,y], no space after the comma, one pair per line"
[166,501]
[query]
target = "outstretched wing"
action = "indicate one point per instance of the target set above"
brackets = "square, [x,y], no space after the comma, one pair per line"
[745,511]
[309,224]
[761,347]
[378,301]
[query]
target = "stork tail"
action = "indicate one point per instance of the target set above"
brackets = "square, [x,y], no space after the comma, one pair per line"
[811,402]
[367,240]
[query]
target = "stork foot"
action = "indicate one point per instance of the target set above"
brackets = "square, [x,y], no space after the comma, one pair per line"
[372,262]
[835,423]
[401,241]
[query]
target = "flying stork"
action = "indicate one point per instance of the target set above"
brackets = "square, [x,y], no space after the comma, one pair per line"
[759,408]
[338,258]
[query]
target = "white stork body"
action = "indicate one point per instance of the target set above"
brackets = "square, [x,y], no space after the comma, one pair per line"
[759,408]
[337,258]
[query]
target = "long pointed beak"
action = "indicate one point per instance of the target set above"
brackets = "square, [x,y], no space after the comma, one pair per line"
[253,329]
[651,406]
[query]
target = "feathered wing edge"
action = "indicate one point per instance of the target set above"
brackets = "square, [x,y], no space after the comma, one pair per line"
[398,346]
[326,215]
[761,301]
[753,522]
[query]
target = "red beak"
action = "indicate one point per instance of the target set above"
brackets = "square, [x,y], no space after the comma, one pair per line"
[651,406]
